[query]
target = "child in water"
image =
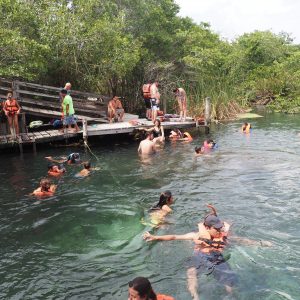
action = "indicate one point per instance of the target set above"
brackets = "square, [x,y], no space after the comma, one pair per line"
[46,188]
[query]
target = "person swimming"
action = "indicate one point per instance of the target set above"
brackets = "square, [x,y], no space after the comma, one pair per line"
[175,134]
[46,188]
[159,211]
[246,128]
[73,158]
[54,170]
[86,171]
[140,289]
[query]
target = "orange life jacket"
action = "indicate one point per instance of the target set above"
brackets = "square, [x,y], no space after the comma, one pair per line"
[51,173]
[146,91]
[215,244]
[40,193]
[11,106]
[164,297]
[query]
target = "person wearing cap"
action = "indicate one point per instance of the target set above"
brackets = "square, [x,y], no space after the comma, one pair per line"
[68,110]
[209,241]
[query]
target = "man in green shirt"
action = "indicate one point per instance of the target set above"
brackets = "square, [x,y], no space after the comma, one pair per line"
[68,110]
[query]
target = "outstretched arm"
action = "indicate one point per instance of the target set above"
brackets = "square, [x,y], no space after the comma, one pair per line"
[149,237]
[248,242]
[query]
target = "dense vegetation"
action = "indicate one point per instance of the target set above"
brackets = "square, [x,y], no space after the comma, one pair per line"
[113,46]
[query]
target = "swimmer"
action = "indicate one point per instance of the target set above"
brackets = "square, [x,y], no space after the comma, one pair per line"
[86,170]
[199,151]
[158,132]
[209,145]
[54,170]
[46,188]
[246,128]
[161,209]
[210,241]
[176,134]
[187,137]
[140,289]
[73,158]
[147,145]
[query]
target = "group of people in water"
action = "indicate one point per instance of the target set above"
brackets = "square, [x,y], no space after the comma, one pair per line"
[56,169]
[210,239]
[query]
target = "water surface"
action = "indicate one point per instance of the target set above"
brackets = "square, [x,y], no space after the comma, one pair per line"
[85,243]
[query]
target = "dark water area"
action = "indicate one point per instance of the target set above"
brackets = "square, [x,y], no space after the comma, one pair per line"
[86,241]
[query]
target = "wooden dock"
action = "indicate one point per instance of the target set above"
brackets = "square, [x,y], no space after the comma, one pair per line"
[47,136]
[40,101]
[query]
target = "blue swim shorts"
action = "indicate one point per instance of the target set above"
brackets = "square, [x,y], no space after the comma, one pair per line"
[215,264]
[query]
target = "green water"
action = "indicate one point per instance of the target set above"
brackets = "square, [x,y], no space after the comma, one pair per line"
[85,243]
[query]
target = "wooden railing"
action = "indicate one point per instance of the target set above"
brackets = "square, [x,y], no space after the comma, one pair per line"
[31,95]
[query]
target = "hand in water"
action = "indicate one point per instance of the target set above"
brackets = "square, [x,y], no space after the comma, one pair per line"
[148,237]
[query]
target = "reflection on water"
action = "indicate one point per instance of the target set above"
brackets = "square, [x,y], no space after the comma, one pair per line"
[86,241]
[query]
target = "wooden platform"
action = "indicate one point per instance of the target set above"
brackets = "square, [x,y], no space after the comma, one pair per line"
[40,137]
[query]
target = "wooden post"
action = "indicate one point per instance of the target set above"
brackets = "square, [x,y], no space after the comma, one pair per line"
[207,114]
[34,146]
[20,142]
[23,123]
[84,131]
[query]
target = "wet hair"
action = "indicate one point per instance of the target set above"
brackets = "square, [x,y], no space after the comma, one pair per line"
[159,123]
[87,165]
[74,157]
[198,149]
[143,286]
[148,133]
[45,184]
[50,166]
[163,199]
[178,132]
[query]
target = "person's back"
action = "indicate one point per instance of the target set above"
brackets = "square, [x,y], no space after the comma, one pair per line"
[147,146]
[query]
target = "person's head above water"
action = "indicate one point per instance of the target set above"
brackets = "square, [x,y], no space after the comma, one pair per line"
[140,289]
[45,184]
[198,150]
[149,135]
[74,158]
[87,165]
[166,198]
[212,221]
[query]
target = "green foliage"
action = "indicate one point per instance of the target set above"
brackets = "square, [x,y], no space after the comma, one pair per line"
[114,46]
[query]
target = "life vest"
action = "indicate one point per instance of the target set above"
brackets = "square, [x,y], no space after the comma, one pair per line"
[164,297]
[55,174]
[246,129]
[188,136]
[40,193]
[11,106]
[215,244]
[146,91]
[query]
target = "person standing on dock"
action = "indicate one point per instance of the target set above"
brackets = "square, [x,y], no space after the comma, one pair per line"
[155,96]
[68,110]
[147,99]
[115,110]
[180,96]
[68,87]
[12,109]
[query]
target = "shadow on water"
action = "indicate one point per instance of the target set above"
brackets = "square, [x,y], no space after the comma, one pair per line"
[85,242]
